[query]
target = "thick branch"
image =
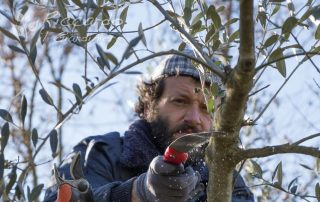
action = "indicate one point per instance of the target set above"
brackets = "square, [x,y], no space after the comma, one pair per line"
[246,30]
[239,82]
[280,149]
[283,149]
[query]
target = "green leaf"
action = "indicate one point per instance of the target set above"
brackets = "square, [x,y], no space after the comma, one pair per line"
[78,94]
[230,22]
[262,17]
[78,3]
[112,58]
[103,56]
[46,97]
[255,169]
[62,8]
[275,171]
[34,137]
[17,49]
[317,191]
[279,174]
[281,64]
[214,16]
[197,18]
[35,193]
[187,14]
[8,34]
[271,40]
[316,12]
[112,42]
[305,166]
[196,27]
[141,33]
[291,7]
[317,34]
[216,44]
[13,177]
[211,33]
[94,15]
[106,19]
[53,142]
[23,109]
[34,40]
[123,17]
[305,16]
[33,55]
[182,46]
[5,132]
[132,44]
[234,36]
[6,115]
[276,9]
[292,182]
[293,190]
[133,72]
[289,24]
[1,165]
[19,191]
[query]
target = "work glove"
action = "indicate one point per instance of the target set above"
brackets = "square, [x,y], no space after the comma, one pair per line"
[165,182]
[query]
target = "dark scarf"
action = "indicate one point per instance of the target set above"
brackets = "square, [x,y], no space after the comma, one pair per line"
[139,149]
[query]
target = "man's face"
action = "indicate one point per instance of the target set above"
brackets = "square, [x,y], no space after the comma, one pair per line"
[180,110]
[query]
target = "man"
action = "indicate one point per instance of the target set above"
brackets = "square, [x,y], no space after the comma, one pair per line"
[131,167]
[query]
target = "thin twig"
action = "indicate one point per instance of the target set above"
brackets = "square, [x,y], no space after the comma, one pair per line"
[257,91]
[191,41]
[306,138]
[285,57]
[278,91]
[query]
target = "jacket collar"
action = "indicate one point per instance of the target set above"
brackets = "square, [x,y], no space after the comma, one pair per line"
[138,148]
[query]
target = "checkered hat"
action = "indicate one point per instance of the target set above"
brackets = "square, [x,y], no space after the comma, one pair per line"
[176,65]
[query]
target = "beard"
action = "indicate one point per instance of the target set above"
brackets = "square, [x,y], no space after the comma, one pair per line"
[163,135]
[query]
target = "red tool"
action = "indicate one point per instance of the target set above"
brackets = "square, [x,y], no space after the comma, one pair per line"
[177,151]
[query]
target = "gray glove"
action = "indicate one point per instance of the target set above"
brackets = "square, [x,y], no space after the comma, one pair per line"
[168,183]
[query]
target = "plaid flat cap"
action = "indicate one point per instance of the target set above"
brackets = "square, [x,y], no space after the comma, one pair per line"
[177,65]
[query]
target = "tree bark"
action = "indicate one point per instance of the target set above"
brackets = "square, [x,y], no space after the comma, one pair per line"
[222,152]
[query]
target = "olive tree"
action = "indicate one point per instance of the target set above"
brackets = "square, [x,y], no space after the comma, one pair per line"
[200,26]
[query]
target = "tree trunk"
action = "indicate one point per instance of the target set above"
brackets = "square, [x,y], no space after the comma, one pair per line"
[222,152]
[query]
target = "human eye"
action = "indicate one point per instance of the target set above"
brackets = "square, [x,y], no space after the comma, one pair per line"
[179,101]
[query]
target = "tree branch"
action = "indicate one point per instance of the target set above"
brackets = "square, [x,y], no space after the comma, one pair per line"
[279,149]
[191,41]
[284,58]
[283,149]
[239,82]
[278,91]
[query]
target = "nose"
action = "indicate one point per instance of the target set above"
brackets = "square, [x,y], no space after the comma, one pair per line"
[193,116]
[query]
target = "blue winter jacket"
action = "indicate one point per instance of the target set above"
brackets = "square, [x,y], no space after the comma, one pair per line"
[111,163]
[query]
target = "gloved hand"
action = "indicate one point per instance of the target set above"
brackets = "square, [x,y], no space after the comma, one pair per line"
[168,183]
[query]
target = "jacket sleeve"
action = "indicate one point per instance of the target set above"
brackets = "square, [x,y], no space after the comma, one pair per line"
[241,193]
[99,163]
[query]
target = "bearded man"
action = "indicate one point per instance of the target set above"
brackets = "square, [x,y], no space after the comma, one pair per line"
[130,167]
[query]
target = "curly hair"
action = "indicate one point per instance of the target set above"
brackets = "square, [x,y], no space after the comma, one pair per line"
[148,97]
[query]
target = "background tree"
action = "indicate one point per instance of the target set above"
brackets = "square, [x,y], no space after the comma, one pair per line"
[73,28]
